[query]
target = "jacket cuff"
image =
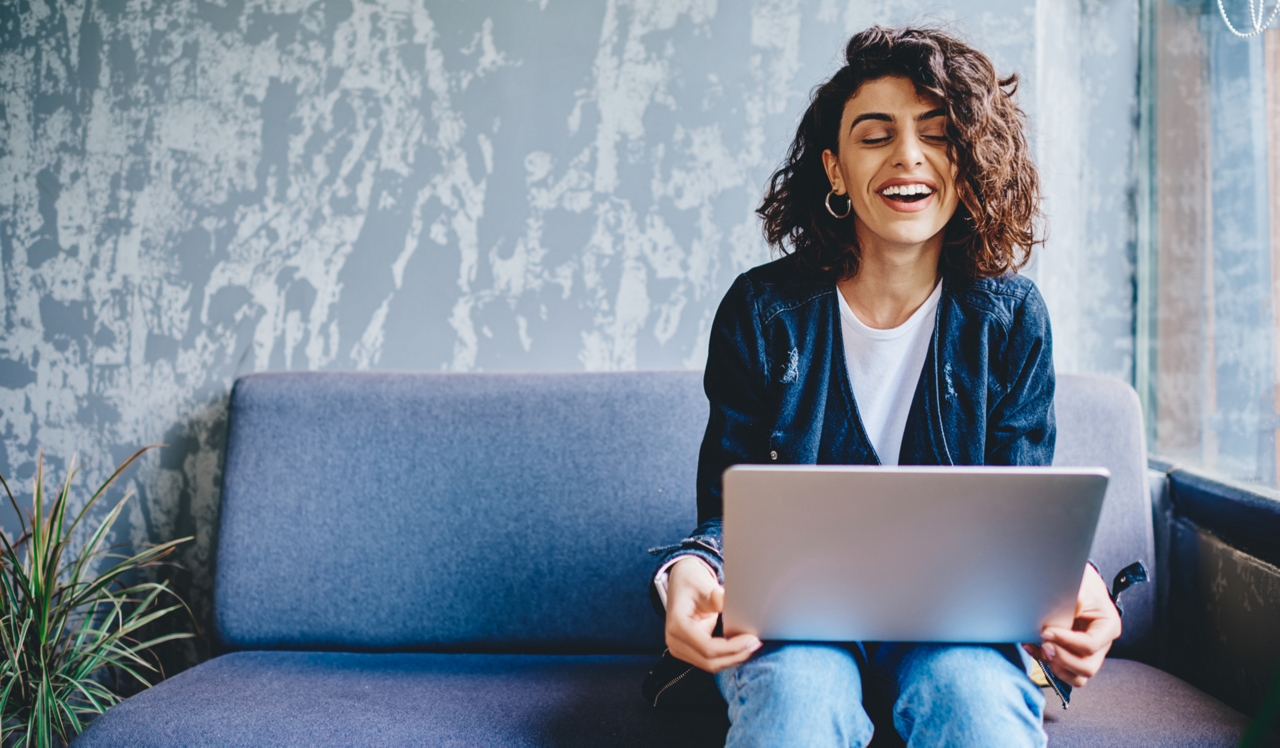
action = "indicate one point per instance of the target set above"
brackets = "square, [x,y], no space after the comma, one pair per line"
[662,578]
[1134,573]
[670,555]
[703,543]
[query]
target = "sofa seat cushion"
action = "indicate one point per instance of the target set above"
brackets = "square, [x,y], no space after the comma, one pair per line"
[331,698]
[1132,704]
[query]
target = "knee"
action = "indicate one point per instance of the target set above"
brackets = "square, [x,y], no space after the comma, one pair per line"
[796,675]
[968,695]
[965,675]
[799,691]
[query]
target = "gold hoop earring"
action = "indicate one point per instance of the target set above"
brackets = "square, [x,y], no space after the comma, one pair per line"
[847,210]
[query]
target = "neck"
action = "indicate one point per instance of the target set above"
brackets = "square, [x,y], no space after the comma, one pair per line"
[892,281]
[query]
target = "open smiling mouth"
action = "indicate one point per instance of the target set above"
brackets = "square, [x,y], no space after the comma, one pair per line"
[906,193]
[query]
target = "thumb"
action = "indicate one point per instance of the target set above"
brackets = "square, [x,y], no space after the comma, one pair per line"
[717,600]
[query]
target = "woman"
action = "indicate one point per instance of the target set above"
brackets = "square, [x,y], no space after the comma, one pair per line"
[895,330]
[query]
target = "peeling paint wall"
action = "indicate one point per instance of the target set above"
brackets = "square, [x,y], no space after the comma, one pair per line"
[196,189]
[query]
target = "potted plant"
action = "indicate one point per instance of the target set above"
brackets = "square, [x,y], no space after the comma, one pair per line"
[65,623]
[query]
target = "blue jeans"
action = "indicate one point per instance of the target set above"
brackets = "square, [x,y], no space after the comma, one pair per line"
[942,695]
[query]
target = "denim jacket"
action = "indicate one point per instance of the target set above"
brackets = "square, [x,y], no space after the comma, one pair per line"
[779,389]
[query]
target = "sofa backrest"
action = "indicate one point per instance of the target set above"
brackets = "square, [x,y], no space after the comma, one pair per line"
[1100,423]
[471,512]
[503,512]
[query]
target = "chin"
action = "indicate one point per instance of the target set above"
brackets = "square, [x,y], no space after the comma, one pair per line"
[905,230]
[907,238]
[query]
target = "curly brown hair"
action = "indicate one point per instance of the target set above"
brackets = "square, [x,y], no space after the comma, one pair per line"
[993,229]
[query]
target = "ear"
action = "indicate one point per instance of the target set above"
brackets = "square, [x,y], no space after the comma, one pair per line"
[831,163]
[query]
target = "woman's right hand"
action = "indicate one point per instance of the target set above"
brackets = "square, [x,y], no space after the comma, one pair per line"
[694,600]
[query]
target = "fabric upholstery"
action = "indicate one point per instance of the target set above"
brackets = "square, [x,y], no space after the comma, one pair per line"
[332,698]
[1100,424]
[473,512]
[1130,704]
[344,699]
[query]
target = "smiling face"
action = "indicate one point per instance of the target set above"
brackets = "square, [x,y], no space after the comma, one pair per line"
[893,165]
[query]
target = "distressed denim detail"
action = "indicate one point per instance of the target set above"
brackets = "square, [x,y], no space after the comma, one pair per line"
[792,373]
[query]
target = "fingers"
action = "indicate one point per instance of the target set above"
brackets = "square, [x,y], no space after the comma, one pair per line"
[709,647]
[1070,667]
[1076,654]
[695,645]
[720,653]
[1096,638]
[1073,656]
[721,663]
[1087,635]
[691,617]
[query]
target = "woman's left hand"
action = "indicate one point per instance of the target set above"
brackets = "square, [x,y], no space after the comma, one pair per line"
[1076,654]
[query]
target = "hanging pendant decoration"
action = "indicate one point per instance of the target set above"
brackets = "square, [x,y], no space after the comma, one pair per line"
[1257,9]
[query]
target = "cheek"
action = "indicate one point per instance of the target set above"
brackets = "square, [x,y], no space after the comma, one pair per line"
[859,172]
[953,195]
[953,185]
[952,202]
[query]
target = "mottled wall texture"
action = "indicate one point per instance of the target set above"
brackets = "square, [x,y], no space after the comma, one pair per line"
[195,189]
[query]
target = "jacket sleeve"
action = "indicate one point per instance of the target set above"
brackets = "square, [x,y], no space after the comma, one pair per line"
[735,382]
[1020,424]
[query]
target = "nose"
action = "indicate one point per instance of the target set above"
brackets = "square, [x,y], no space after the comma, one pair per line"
[908,153]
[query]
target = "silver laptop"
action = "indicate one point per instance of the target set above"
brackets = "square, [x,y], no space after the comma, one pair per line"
[945,554]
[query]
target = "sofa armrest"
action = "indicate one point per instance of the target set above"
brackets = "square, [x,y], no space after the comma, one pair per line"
[1218,594]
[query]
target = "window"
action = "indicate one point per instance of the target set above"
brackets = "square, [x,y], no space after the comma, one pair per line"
[1209,240]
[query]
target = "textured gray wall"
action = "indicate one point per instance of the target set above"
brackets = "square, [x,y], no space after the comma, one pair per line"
[193,190]
[1086,129]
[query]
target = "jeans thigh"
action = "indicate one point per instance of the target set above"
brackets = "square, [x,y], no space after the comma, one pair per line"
[886,659]
[960,694]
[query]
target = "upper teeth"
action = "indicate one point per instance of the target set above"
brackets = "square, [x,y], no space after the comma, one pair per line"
[906,189]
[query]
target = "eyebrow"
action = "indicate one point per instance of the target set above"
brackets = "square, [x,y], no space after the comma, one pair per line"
[882,117]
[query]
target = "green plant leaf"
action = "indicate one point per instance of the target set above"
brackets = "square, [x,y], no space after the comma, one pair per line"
[62,625]
[133,562]
[14,503]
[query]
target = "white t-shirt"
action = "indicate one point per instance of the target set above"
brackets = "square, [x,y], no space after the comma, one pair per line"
[884,368]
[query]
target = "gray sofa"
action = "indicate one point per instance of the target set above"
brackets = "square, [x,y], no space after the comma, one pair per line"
[434,559]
